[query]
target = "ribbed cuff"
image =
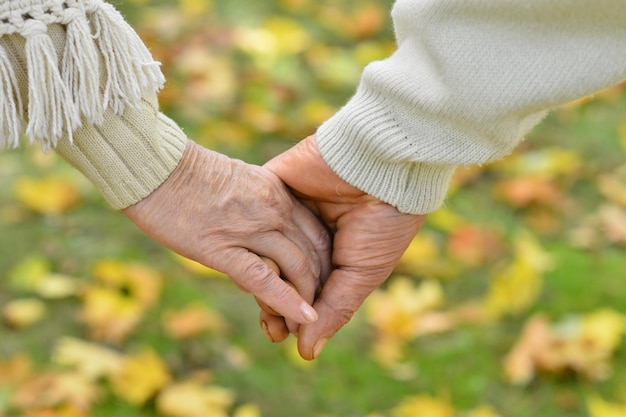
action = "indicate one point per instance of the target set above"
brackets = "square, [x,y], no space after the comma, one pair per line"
[129,155]
[359,144]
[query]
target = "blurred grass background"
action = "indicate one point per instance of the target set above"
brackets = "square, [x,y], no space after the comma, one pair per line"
[540,234]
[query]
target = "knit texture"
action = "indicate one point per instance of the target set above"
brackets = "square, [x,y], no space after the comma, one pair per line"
[469,79]
[99,111]
[101,63]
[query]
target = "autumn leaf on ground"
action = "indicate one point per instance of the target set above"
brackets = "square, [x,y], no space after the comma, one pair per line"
[56,389]
[526,191]
[116,302]
[27,274]
[423,405]
[192,399]
[23,312]
[516,285]
[613,186]
[395,314]
[93,361]
[140,377]
[598,407]
[546,163]
[475,245]
[583,344]
[423,257]
[612,223]
[48,195]
[15,370]
[247,410]
[193,320]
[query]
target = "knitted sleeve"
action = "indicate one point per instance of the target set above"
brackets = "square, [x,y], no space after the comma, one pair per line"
[75,77]
[468,80]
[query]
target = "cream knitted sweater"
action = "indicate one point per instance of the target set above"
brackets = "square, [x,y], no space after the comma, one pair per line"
[469,79]
[74,76]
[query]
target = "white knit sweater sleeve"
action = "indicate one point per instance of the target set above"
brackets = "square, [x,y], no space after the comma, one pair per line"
[468,80]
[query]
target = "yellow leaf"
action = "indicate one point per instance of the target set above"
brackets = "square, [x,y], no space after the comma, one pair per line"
[110,315]
[247,410]
[423,405]
[548,163]
[396,310]
[140,377]
[47,195]
[598,407]
[604,328]
[55,286]
[191,399]
[137,281]
[195,8]
[445,219]
[515,286]
[27,274]
[423,257]
[23,312]
[88,359]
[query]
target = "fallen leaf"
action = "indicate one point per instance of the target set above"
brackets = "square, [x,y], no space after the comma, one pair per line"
[54,390]
[613,186]
[525,191]
[24,312]
[247,410]
[516,285]
[193,320]
[474,245]
[598,407]
[48,195]
[520,362]
[140,377]
[93,361]
[423,257]
[191,399]
[612,222]
[423,405]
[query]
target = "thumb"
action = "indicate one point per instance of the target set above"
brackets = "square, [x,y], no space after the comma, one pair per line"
[341,297]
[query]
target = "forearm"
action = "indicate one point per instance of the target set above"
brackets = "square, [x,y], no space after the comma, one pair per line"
[469,79]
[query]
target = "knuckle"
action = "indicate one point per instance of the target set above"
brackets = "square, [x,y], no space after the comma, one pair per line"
[258,276]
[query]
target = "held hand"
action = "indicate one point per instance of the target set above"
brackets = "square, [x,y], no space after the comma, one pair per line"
[369,238]
[225,214]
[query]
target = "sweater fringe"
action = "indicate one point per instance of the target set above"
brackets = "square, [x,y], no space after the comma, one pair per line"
[103,64]
[11,109]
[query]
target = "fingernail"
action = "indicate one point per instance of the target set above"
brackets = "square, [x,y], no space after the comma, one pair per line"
[308,312]
[317,349]
[266,331]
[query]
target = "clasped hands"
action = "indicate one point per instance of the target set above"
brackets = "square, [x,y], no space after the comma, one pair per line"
[333,243]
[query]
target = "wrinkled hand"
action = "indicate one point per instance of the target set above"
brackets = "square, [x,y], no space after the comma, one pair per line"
[225,214]
[369,238]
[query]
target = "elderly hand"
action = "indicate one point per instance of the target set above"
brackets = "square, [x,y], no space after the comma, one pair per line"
[369,238]
[225,214]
